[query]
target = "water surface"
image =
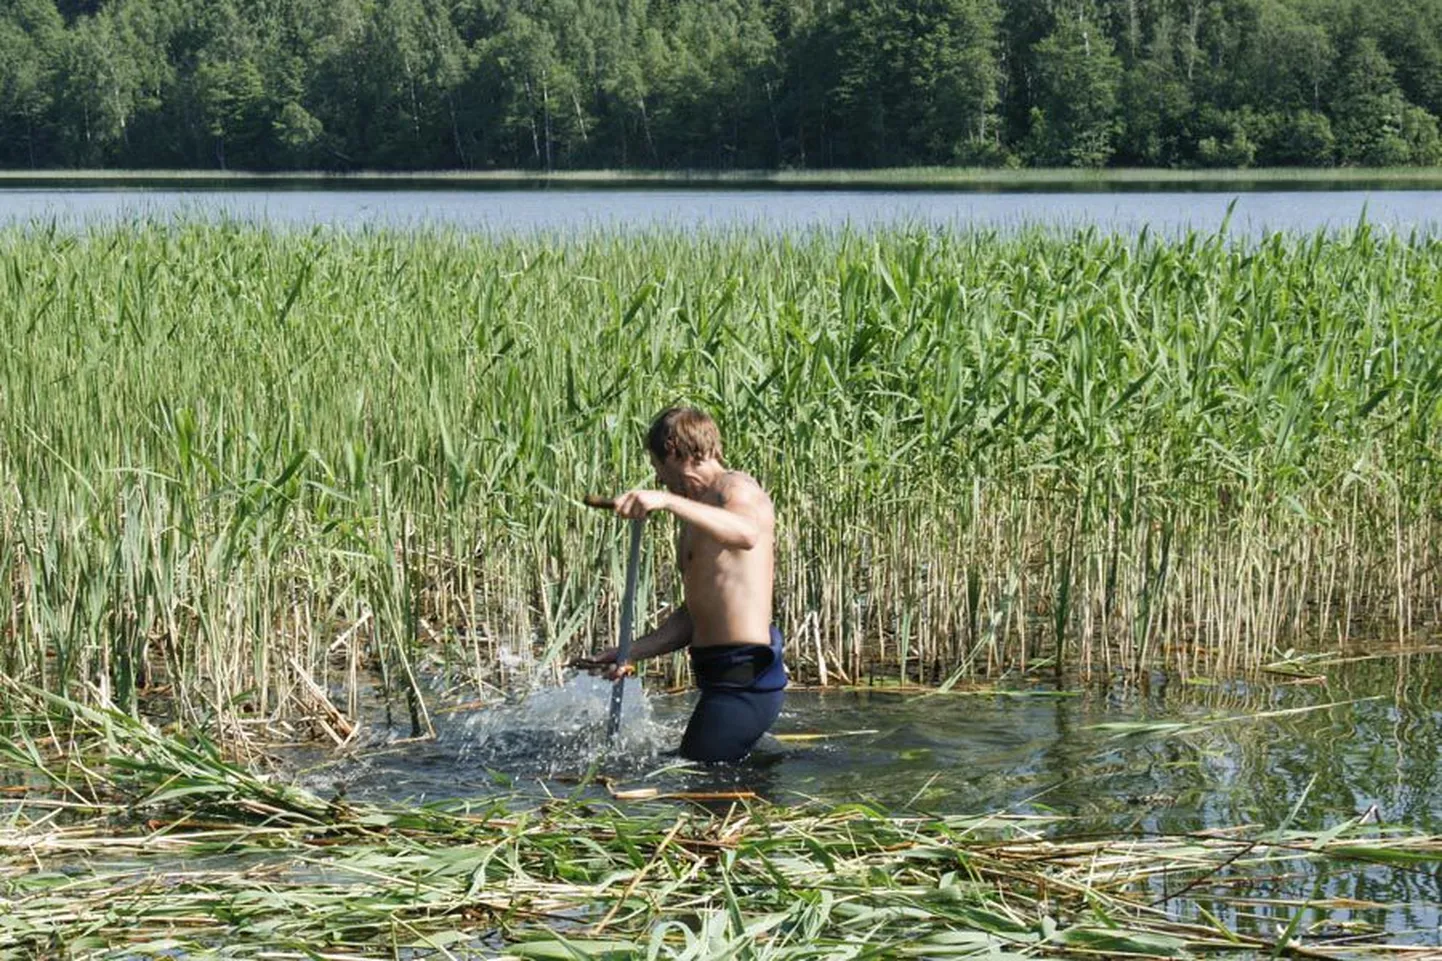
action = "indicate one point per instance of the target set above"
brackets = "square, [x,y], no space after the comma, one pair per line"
[565,212]
[1361,740]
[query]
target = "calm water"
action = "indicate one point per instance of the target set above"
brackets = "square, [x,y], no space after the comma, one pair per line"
[567,211]
[1028,750]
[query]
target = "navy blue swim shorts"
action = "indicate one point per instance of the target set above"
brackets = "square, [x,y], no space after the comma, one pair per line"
[742,688]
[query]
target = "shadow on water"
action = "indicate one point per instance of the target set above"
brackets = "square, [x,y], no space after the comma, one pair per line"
[1357,740]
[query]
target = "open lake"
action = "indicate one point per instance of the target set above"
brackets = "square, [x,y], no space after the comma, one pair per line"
[564,211]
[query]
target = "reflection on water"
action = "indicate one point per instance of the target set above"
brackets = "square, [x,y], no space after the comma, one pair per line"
[1370,747]
[1367,739]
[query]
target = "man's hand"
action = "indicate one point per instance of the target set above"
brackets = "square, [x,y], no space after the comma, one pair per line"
[605,663]
[639,503]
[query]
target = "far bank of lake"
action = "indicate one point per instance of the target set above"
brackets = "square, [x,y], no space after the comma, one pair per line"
[975,179]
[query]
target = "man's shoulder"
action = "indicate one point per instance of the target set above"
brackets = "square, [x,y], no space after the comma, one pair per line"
[735,480]
[736,487]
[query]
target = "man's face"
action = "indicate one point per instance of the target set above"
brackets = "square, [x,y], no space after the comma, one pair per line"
[669,473]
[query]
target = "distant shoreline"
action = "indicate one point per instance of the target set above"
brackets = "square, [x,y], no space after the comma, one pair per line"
[978,180]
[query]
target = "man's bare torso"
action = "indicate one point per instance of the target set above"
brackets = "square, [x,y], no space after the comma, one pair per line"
[729,591]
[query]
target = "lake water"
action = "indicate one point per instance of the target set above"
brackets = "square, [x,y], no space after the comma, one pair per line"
[1362,740]
[563,211]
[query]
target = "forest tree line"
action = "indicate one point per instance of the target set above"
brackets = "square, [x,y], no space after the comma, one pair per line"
[717,84]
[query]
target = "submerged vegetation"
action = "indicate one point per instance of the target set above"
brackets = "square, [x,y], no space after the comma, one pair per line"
[127,843]
[254,470]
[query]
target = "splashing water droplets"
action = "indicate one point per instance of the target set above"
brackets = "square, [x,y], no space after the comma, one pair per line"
[561,730]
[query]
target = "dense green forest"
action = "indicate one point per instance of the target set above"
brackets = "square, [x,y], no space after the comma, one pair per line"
[585,84]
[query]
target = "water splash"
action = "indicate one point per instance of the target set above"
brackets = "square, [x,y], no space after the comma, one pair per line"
[560,730]
[553,734]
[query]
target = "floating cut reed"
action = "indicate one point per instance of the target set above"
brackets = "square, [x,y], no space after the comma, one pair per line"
[232,456]
[226,861]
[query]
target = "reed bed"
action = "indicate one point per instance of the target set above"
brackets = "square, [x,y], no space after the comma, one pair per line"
[132,844]
[256,470]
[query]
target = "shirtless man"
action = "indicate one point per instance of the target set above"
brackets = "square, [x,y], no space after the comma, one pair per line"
[727,559]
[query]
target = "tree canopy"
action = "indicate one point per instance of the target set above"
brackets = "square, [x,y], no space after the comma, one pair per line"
[717,84]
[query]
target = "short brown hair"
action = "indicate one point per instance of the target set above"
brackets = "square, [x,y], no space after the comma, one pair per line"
[688,433]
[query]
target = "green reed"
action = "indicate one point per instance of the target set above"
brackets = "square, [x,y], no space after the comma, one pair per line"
[233,459]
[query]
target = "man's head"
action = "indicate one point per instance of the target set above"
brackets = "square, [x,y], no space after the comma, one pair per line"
[682,439]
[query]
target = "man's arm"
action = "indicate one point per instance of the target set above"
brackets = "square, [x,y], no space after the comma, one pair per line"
[736,522]
[672,634]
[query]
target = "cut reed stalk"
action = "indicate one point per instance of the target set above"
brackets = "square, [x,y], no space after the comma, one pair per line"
[216,857]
